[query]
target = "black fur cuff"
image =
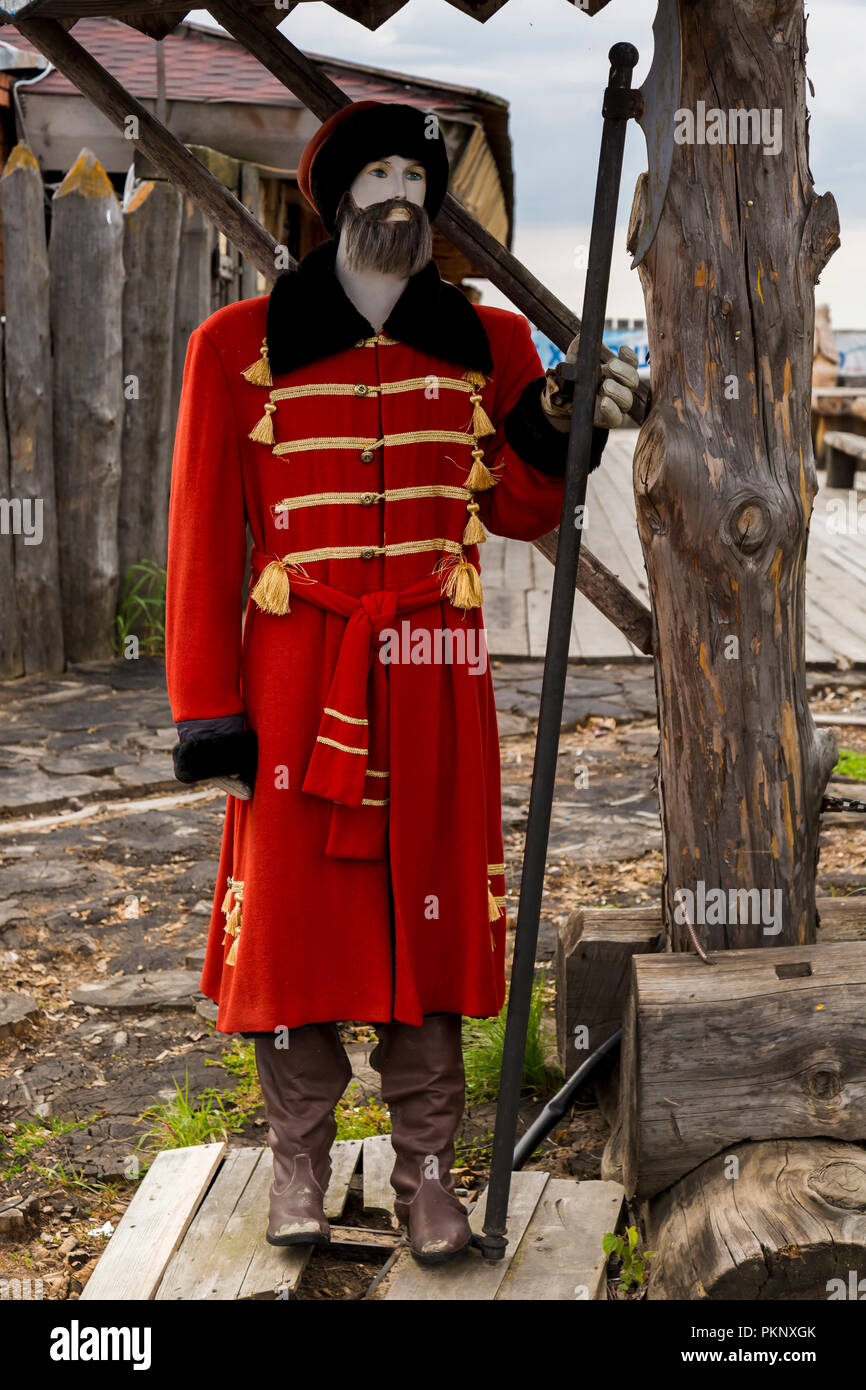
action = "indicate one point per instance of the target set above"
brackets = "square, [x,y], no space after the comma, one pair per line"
[537,441]
[197,759]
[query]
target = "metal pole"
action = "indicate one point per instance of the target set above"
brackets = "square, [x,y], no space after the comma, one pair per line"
[619,103]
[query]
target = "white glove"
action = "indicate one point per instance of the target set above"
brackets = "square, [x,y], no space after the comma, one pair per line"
[619,381]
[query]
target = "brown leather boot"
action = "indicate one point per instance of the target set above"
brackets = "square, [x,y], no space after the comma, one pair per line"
[424,1087]
[301,1084]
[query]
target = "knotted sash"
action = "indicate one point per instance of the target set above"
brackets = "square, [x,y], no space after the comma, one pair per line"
[349,764]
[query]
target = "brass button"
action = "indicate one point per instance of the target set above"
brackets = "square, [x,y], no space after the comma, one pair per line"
[367,456]
[368,498]
[367,553]
[361,389]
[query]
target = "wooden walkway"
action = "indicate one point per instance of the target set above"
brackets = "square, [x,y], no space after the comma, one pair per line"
[518,579]
[195,1229]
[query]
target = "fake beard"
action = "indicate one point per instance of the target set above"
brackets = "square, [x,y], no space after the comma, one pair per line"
[397,248]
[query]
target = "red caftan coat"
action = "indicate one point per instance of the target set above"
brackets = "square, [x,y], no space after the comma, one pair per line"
[360,880]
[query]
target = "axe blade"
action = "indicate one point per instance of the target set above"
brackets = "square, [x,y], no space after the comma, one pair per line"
[661,95]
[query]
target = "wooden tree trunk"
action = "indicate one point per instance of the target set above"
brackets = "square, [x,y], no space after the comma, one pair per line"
[151,242]
[29,409]
[86,255]
[725,478]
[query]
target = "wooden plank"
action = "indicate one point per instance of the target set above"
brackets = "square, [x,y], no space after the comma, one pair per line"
[378,1163]
[472,1278]
[764,1042]
[154,1224]
[272,1271]
[361,1240]
[345,1154]
[560,1257]
[505,621]
[194,1271]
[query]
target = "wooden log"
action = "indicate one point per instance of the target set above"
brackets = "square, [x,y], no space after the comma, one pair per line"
[759,1044]
[37,644]
[724,474]
[151,244]
[11,660]
[764,1222]
[593,963]
[86,258]
[593,974]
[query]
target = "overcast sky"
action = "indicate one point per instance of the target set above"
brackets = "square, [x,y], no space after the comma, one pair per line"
[549,62]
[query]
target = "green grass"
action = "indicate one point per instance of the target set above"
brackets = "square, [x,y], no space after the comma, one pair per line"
[141,609]
[180,1122]
[28,1137]
[851,764]
[355,1121]
[483,1041]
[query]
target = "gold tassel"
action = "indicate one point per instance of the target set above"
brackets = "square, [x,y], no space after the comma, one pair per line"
[233,919]
[480,478]
[227,900]
[259,373]
[271,593]
[493,911]
[463,585]
[473,533]
[481,422]
[263,432]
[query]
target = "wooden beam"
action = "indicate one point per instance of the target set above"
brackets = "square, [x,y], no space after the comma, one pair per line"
[306,80]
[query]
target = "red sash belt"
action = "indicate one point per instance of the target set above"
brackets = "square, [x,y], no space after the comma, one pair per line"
[349,764]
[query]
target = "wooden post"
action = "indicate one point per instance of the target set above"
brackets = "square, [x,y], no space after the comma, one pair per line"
[33,601]
[151,242]
[194,297]
[86,256]
[251,197]
[724,474]
[11,663]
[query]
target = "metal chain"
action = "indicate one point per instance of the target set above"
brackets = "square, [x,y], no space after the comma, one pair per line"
[842,803]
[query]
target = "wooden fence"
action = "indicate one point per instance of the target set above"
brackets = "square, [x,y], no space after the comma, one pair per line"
[98,315]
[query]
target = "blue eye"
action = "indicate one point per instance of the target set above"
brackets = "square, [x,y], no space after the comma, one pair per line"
[414,174]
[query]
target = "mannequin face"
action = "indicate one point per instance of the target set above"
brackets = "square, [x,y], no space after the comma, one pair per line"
[394,177]
[382,223]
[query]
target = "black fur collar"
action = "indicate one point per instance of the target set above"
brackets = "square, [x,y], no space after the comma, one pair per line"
[310,316]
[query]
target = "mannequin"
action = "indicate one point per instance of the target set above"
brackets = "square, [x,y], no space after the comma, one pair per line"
[367,423]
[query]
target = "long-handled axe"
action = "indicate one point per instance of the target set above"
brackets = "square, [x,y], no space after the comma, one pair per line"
[652,106]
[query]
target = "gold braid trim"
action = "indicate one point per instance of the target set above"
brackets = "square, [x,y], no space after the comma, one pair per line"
[343,747]
[299,446]
[348,718]
[394,494]
[386,388]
